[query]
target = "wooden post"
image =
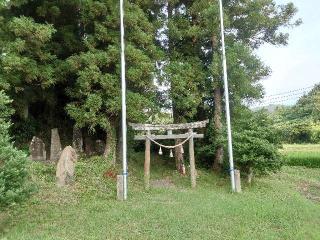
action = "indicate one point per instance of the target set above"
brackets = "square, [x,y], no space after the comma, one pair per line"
[147,162]
[237,181]
[120,187]
[192,161]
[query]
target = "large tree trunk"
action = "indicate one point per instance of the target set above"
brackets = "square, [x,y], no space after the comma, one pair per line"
[77,139]
[218,159]
[176,118]
[119,144]
[111,145]
[178,154]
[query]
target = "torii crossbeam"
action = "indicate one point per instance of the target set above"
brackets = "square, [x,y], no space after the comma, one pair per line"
[148,137]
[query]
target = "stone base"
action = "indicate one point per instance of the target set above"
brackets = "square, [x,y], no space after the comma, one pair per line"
[120,187]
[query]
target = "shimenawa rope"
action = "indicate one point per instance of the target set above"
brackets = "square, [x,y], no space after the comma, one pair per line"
[170,147]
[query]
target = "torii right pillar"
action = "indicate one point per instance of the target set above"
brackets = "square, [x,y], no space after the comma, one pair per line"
[192,161]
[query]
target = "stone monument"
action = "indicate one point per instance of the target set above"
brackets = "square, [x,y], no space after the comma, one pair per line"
[55,148]
[66,166]
[37,150]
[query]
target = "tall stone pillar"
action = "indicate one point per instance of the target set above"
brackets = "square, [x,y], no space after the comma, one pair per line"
[55,147]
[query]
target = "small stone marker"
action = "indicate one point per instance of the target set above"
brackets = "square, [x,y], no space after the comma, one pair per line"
[77,140]
[120,187]
[55,148]
[66,166]
[99,147]
[237,181]
[88,146]
[37,150]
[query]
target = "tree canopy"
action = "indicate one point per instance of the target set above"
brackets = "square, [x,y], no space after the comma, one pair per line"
[60,62]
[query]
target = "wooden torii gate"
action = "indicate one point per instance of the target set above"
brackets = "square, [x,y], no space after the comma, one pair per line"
[148,138]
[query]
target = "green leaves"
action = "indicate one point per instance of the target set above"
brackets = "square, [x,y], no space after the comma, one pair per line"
[259,22]
[13,171]
[5,111]
[66,55]
[185,79]
[34,33]
[90,113]
[299,123]
[25,58]
[95,94]
[256,143]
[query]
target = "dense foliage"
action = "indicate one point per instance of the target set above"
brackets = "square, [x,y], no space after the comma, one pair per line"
[14,187]
[256,144]
[300,122]
[60,63]
[190,37]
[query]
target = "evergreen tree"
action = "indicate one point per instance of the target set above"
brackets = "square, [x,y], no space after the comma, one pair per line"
[37,37]
[13,163]
[63,56]
[194,33]
[96,98]
[26,64]
[60,60]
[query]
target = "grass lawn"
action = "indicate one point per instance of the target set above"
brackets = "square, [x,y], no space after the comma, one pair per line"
[307,155]
[281,206]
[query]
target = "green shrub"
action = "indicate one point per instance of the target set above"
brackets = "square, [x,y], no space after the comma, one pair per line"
[315,137]
[300,132]
[13,169]
[256,144]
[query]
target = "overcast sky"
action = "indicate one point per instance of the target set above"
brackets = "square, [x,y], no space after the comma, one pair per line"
[297,65]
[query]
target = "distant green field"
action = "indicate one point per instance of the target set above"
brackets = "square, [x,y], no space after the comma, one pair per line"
[307,155]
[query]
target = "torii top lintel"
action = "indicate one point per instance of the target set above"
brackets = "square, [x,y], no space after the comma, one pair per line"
[145,127]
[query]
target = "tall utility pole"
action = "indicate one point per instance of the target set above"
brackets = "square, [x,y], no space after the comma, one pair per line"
[226,93]
[124,108]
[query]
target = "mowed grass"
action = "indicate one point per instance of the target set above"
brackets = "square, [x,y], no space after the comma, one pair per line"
[274,207]
[307,155]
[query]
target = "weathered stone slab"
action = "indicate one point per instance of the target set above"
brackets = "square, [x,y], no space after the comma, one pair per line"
[66,166]
[55,147]
[77,140]
[37,150]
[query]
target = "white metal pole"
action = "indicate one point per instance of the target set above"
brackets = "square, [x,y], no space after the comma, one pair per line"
[124,109]
[226,93]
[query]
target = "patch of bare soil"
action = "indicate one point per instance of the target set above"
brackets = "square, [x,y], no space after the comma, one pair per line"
[311,191]
[162,183]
